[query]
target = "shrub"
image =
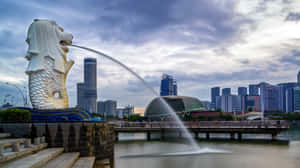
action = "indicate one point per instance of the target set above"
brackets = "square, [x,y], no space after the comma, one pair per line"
[15,115]
[135,117]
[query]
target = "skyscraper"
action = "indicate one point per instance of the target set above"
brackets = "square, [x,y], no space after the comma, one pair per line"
[90,73]
[101,108]
[175,87]
[269,97]
[87,91]
[231,103]
[253,103]
[253,90]
[107,108]
[226,91]
[215,91]
[111,108]
[289,94]
[168,86]
[242,91]
[297,99]
[283,102]
[298,78]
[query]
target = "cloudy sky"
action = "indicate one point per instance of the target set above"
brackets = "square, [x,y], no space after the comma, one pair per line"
[201,43]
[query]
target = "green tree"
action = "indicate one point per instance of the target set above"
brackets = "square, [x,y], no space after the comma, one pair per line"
[15,115]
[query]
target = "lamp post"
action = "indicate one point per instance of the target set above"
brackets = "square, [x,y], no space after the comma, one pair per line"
[23,96]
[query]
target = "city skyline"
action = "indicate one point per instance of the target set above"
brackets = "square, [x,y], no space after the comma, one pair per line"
[232,44]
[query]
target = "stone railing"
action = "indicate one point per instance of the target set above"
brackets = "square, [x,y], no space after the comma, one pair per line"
[88,138]
[206,124]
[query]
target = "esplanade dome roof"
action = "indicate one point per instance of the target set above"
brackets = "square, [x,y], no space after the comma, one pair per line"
[178,103]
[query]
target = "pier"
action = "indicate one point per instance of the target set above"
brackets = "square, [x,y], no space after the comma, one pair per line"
[233,128]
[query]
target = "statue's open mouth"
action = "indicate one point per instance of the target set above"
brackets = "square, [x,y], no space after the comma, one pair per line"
[64,45]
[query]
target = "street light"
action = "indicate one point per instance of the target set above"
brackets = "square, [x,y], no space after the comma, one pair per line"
[23,96]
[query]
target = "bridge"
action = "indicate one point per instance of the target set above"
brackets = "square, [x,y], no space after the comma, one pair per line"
[272,127]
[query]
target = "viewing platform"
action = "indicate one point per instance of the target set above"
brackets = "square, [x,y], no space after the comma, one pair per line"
[272,127]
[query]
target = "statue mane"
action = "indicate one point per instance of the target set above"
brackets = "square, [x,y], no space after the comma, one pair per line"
[45,39]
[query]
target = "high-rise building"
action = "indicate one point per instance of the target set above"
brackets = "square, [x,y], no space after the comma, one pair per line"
[269,97]
[101,108]
[231,103]
[253,90]
[111,108]
[175,87]
[215,91]
[242,91]
[298,78]
[125,111]
[226,91]
[168,86]
[87,91]
[283,87]
[297,99]
[80,95]
[252,103]
[289,100]
[107,108]
[218,102]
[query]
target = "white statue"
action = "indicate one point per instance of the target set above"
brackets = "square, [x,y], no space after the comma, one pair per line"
[48,66]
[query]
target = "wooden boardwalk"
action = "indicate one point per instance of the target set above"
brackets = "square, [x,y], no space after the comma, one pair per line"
[272,127]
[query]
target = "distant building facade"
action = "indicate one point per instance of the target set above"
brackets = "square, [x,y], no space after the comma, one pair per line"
[168,86]
[253,90]
[125,111]
[87,91]
[107,108]
[297,99]
[252,103]
[101,108]
[242,91]
[269,97]
[231,103]
[215,91]
[226,91]
[284,101]
[298,78]
[289,100]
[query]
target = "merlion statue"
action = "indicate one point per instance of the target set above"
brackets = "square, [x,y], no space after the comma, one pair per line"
[48,65]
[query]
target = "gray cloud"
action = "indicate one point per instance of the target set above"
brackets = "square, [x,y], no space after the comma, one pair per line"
[293,58]
[293,16]
[193,24]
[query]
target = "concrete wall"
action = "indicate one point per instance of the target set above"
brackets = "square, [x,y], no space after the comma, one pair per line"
[88,138]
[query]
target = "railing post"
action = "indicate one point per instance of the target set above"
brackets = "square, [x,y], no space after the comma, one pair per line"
[240,136]
[116,136]
[1,150]
[232,135]
[207,135]
[148,135]
[274,135]
[196,135]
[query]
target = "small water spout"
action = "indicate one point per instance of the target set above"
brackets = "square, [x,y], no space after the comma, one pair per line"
[169,109]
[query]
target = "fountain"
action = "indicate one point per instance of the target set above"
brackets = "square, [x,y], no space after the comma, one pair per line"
[194,146]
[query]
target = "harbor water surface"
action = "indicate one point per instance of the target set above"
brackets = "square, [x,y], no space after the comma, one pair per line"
[133,151]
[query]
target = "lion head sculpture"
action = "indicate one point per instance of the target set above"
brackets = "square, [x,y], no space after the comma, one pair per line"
[46,38]
[48,66]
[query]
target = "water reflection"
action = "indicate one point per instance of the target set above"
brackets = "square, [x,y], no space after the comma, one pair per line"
[244,154]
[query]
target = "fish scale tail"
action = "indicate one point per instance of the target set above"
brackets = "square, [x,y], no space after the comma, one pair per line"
[39,87]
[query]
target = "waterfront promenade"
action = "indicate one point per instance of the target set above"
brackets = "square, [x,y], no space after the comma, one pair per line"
[271,127]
